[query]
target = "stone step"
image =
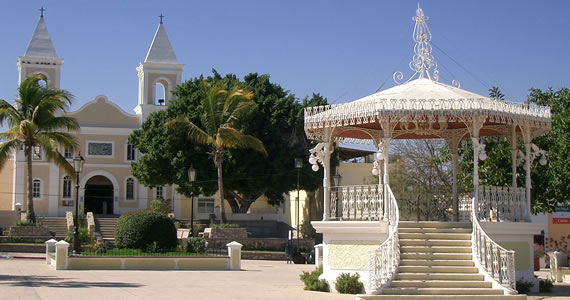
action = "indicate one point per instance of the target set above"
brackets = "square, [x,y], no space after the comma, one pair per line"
[434,262]
[427,243]
[435,236]
[440,284]
[433,230]
[442,291]
[441,297]
[434,224]
[434,249]
[440,276]
[436,269]
[445,256]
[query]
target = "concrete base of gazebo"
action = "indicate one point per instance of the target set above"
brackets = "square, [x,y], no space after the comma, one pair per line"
[346,245]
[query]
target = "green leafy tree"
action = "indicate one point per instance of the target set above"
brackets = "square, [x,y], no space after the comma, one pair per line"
[278,122]
[221,113]
[551,183]
[35,121]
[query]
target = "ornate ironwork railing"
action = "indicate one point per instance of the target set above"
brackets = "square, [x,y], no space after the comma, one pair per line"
[497,203]
[438,206]
[383,261]
[496,261]
[357,202]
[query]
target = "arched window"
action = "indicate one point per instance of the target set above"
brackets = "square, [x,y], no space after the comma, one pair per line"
[130,189]
[36,188]
[66,193]
[161,92]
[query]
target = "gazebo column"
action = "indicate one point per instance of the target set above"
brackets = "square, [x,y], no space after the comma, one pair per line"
[477,124]
[527,148]
[326,181]
[514,151]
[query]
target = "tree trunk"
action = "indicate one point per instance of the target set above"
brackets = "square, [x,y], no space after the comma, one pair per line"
[218,161]
[30,215]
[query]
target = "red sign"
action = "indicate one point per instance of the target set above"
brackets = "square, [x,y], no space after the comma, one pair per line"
[560,220]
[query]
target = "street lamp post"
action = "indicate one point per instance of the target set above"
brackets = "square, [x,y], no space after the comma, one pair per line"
[192,178]
[298,166]
[78,162]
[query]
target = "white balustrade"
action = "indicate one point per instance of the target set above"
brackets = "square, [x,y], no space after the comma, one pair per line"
[384,260]
[357,202]
[496,261]
[498,203]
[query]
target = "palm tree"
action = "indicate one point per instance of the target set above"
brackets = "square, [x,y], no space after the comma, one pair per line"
[221,111]
[33,121]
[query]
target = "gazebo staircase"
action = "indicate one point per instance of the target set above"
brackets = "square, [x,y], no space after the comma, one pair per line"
[436,262]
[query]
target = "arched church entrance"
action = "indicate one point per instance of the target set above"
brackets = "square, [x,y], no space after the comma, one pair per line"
[99,195]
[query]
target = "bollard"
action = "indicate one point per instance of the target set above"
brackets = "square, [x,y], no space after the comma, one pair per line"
[50,248]
[61,255]
[234,252]
[318,255]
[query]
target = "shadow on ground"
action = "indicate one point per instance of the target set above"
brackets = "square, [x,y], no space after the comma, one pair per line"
[51,281]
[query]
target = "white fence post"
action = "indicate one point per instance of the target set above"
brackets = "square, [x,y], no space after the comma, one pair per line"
[50,248]
[234,252]
[61,255]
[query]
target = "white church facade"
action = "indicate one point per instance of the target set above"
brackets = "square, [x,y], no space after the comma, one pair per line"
[107,185]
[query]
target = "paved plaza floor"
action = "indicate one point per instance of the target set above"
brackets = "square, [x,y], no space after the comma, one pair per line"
[32,279]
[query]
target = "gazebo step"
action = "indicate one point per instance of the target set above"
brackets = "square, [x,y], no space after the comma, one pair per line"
[435,262]
[428,243]
[440,276]
[442,291]
[434,224]
[435,236]
[433,230]
[437,269]
[434,249]
[445,256]
[441,284]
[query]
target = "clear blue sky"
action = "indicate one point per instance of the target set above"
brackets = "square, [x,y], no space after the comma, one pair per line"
[341,49]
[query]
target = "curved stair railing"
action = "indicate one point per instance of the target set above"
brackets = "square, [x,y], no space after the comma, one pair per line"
[383,261]
[497,262]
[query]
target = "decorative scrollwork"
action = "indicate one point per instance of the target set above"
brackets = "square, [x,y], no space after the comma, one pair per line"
[318,155]
[456,83]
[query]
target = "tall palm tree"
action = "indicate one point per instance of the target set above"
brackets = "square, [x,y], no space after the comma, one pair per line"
[221,111]
[35,121]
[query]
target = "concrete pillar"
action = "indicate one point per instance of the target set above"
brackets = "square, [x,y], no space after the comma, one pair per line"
[234,252]
[50,248]
[61,255]
[318,255]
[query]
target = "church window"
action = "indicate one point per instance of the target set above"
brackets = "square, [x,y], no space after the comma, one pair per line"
[160,92]
[66,187]
[36,188]
[159,192]
[130,188]
[67,153]
[131,152]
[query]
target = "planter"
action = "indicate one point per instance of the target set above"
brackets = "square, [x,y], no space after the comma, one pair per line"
[30,231]
[227,233]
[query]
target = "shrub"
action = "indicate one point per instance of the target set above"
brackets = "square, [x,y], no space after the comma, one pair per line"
[145,230]
[38,223]
[224,225]
[196,244]
[309,232]
[538,250]
[347,283]
[523,287]
[160,206]
[84,236]
[545,285]
[100,247]
[312,282]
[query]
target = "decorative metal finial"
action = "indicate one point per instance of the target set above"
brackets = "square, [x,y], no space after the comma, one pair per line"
[161,16]
[42,12]
[423,63]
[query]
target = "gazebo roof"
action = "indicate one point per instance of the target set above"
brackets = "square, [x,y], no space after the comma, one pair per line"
[423,107]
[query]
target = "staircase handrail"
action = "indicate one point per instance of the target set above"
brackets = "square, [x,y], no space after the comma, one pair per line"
[383,262]
[69,220]
[497,262]
[90,222]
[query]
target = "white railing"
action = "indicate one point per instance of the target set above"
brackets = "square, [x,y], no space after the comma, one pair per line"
[432,206]
[498,203]
[496,261]
[357,202]
[383,261]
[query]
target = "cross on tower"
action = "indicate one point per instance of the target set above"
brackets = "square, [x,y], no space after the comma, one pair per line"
[161,16]
[42,12]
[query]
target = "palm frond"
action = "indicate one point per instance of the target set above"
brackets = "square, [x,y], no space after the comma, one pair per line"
[183,126]
[229,137]
[49,148]
[7,148]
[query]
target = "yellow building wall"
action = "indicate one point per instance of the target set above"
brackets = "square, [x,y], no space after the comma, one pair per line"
[522,254]
[6,184]
[558,232]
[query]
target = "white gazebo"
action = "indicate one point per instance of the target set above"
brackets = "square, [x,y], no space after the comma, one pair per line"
[357,219]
